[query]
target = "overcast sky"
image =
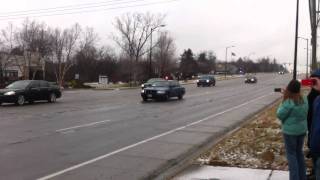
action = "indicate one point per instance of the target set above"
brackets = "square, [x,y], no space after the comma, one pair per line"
[258,27]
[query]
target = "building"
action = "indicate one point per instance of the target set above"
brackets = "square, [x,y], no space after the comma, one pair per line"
[222,68]
[17,67]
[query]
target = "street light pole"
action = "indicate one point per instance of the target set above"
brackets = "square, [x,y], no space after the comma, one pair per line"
[307,72]
[150,54]
[225,64]
[296,43]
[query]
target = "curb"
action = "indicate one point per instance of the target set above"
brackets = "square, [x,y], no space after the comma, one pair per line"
[173,167]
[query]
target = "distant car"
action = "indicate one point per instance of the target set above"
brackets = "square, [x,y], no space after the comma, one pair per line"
[251,79]
[206,80]
[280,72]
[163,90]
[151,81]
[24,91]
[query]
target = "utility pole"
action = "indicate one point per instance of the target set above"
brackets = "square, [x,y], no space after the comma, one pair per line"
[314,20]
[296,43]
[150,54]
[307,71]
[225,63]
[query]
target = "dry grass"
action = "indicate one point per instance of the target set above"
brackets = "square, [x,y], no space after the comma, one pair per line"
[259,144]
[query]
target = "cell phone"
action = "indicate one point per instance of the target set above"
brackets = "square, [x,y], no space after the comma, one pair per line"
[308,82]
[277,89]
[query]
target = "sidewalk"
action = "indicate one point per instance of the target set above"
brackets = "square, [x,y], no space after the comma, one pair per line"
[197,172]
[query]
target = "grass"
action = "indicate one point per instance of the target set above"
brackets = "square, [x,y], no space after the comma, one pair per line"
[258,144]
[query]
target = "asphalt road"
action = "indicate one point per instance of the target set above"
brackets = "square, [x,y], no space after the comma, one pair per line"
[39,140]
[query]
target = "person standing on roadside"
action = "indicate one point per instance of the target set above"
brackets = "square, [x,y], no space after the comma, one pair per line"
[292,113]
[314,132]
[311,97]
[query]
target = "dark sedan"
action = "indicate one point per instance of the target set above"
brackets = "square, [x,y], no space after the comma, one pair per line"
[251,79]
[163,90]
[20,92]
[150,82]
[206,80]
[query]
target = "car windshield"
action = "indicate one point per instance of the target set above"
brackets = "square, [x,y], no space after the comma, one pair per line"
[204,77]
[160,84]
[18,85]
[250,77]
[154,80]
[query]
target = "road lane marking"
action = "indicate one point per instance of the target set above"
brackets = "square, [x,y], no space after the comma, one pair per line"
[147,140]
[81,126]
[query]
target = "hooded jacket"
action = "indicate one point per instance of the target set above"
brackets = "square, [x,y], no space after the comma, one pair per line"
[293,117]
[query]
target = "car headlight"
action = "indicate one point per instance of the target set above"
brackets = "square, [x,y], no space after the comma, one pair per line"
[197,80]
[10,93]
[208,81]
[142,91]
[246,79]
[142,85]
[161,92]
[252,79]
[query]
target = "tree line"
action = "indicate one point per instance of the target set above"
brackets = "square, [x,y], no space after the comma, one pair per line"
[144,49]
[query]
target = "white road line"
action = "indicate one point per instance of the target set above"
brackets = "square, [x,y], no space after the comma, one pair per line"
[146,140]
[83,125]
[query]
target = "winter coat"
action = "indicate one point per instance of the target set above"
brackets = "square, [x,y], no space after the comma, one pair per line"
[315,129]
[293,117]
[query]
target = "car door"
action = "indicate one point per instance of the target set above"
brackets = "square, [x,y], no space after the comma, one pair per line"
[180,90]
[174,88]
[44,90]
[34,91]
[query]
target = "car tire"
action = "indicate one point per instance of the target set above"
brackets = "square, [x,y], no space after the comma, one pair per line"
[144,99]
[166,97]
[52,98]
[20,100]
[31,101]
[180,97]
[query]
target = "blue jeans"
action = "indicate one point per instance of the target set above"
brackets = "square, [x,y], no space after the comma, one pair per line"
[294,152]
[316,167]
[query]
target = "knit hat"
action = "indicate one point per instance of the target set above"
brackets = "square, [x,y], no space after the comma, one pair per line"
[316,73]
[294,86]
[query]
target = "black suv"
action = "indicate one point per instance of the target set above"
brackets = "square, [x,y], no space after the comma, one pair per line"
[206,80]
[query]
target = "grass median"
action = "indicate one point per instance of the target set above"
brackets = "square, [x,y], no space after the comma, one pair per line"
[258,144]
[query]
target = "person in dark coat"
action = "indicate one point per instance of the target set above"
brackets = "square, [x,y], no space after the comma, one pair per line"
[314,93]
[314,143]
[311,97]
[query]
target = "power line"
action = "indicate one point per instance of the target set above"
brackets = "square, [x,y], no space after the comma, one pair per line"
[88,11]
[67,8]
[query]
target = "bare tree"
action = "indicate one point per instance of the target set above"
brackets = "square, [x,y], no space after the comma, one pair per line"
[134,30]
[33,39]
[6,47]
[64,45]
[164,54]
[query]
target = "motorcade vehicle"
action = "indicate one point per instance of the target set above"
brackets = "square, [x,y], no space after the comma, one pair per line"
[20,92]
[151,81]
[206,80]
[250,79]
[163,90]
